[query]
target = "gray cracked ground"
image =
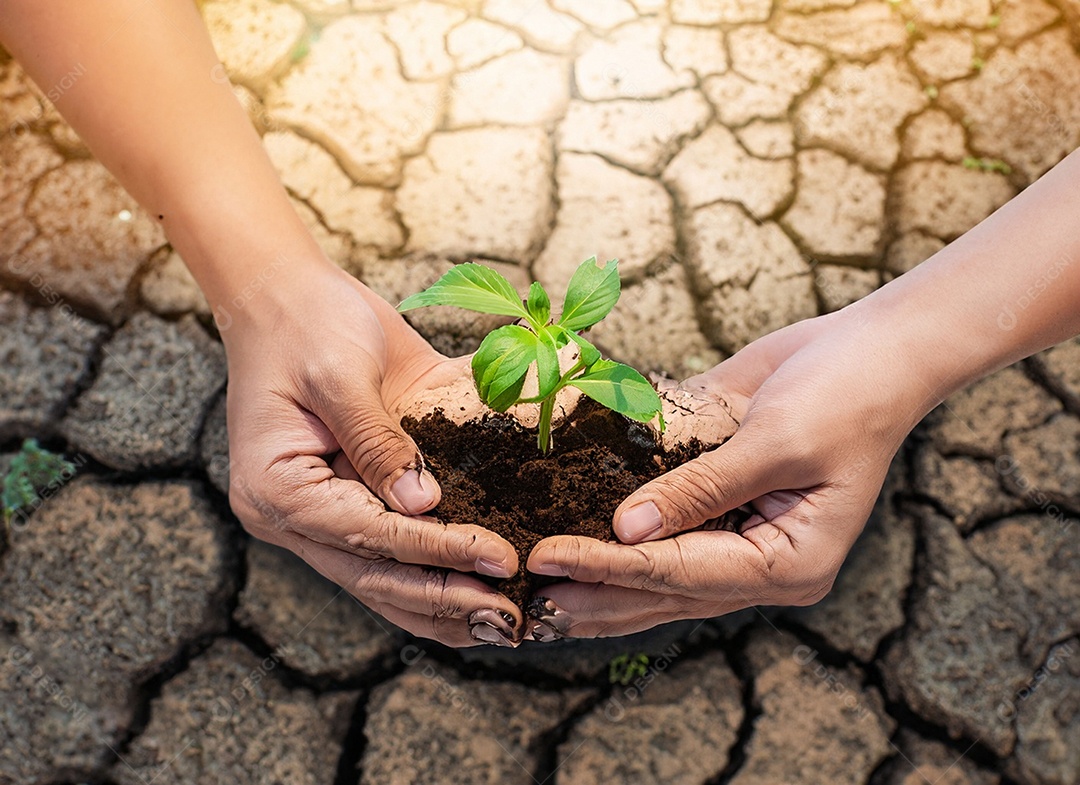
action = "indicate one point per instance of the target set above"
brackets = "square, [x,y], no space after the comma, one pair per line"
[752,163]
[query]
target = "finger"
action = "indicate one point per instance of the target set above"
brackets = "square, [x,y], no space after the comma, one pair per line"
[441,595]
[690,564]
[773,505]
[744,372]
[385,457]
[703,573]
[449,632]
[344,514]
[743,468]
[736,378]
[344,469]
[593,610]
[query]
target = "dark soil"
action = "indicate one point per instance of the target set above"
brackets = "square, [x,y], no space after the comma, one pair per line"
[493,475]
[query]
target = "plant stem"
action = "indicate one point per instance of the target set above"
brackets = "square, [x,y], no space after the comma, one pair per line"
[547,408]
[543,436]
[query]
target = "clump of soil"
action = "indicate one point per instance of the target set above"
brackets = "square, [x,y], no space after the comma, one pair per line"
[493,475]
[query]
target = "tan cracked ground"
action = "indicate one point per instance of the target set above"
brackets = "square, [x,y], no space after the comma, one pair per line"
[752,163]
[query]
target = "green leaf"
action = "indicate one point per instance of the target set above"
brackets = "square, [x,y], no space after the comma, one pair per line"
[591,294]
[547,363]
[32,469]
[500,364]
[539,304]
[470,286]
[589,353]
[621,388]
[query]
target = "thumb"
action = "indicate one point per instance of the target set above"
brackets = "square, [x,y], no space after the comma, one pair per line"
[385,457]
[720,480]
[746,370]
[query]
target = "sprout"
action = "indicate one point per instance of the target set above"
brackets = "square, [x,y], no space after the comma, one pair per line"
[505,355]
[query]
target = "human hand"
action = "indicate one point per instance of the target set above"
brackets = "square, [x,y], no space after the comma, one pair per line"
[317,369]
[823,407]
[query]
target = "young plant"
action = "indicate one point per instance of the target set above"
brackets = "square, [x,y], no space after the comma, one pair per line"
[625,668]
[506,354]
[986,164]
[32,470]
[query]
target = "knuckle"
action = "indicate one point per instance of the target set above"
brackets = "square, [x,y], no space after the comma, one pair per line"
[256,505]
[372,580]
[451,544]
[438,595]
[371,540]
[694,493]
[790,577]
[571,552]
[652,573]
[568,551]
[435,630]
[760,569]
[642,572]
[812,589]
[765,539]
[376,449]
[369,439]
[683,573]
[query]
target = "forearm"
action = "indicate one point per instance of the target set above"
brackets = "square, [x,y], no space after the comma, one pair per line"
[177,139]
[1005,290]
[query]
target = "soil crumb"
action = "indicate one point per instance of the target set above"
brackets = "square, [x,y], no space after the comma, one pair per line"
[493,475]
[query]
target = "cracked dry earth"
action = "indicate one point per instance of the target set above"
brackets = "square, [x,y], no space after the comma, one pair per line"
[752,163]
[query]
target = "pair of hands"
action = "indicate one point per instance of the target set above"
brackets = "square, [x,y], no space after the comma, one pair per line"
[316,448]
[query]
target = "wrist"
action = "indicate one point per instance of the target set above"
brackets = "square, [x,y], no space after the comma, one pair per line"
[234,255]
[294,306]
[927,346]
[272,292]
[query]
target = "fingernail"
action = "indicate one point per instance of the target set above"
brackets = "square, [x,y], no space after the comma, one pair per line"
[640,522]
[545,611]
[550,568]
[496,569]
[775,504]
[751,522]
[494,618]
[413,493]
[487,634]
[541,633]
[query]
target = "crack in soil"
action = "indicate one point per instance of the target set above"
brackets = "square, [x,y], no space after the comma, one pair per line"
[739,662]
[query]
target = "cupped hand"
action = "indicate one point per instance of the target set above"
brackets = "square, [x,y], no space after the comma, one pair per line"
[823,406]
[317,368]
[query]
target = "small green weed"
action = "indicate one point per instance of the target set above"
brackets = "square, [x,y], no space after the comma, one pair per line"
[33,471]
[627,667]
[987,164]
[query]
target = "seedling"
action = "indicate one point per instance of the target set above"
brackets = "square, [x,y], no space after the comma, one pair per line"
[626,668]
[32,470]
[505,355]
[987,164]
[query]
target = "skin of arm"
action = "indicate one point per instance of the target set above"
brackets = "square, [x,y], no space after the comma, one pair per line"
[824,405]
[316,360]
